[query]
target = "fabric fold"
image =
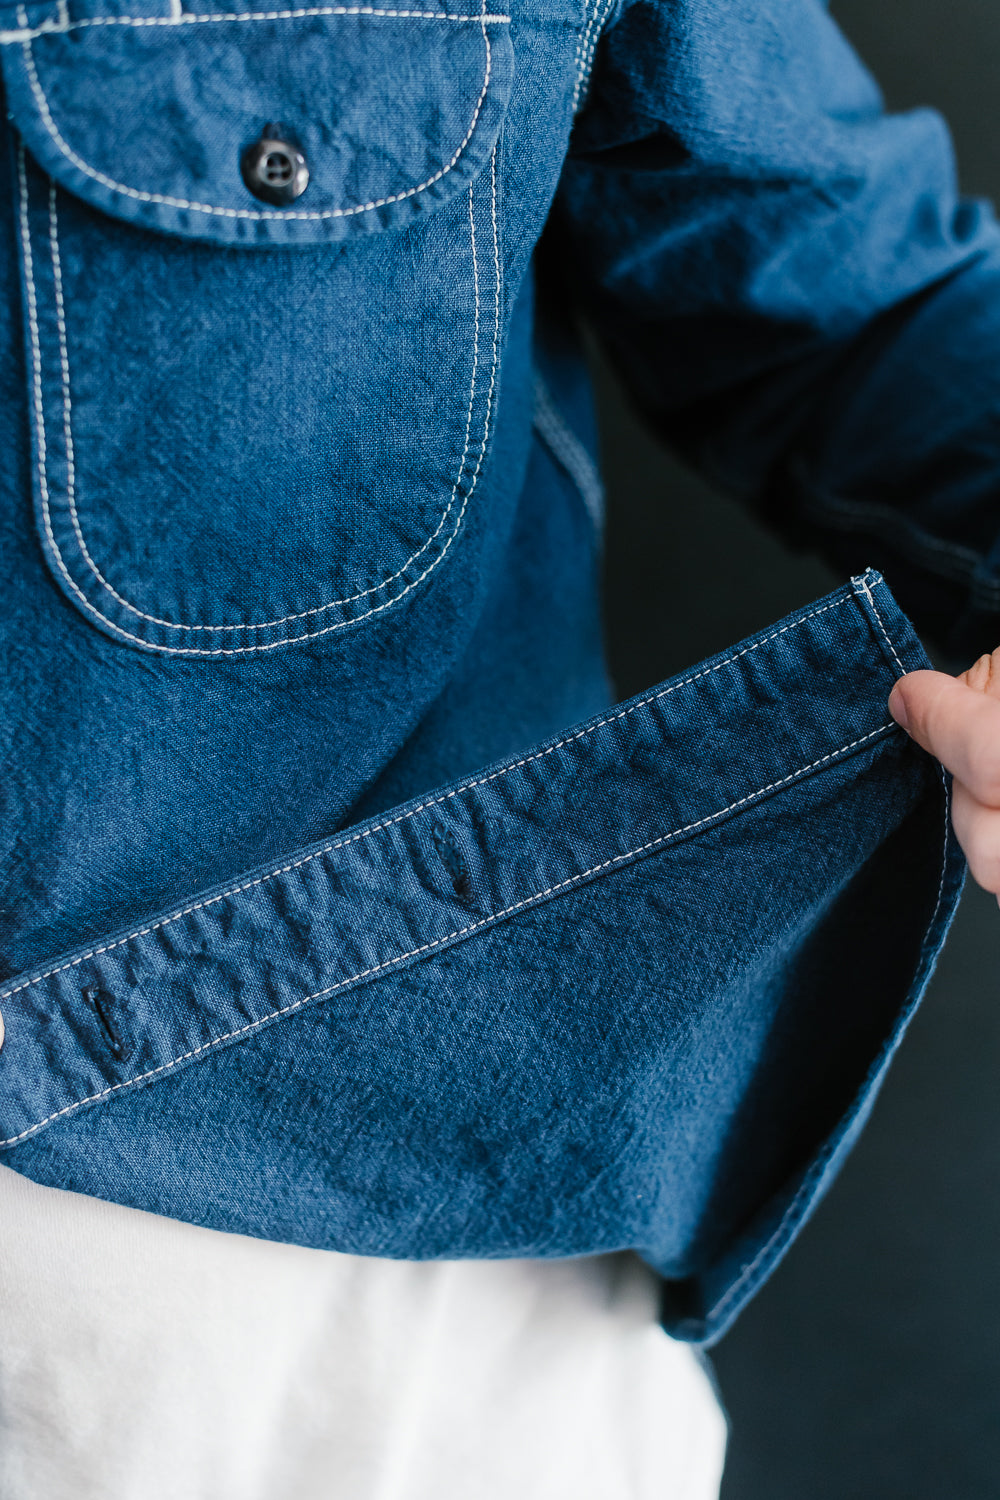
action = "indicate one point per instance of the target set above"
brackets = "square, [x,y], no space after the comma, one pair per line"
[635,987]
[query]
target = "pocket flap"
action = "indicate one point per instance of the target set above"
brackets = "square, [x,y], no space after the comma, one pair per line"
[148,117]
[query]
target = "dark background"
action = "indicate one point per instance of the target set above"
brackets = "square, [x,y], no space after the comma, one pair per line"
[869,1367]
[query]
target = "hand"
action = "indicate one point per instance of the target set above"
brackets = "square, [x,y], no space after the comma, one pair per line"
[958,720]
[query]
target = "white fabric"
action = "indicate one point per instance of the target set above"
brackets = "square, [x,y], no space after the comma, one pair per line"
[143,1359]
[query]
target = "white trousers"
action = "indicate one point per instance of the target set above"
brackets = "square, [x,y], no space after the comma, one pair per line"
[143,1359]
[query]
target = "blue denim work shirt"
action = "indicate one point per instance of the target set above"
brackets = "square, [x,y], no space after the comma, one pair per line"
[301,532]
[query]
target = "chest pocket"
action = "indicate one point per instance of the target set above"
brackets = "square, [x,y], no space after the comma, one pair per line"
[256,424]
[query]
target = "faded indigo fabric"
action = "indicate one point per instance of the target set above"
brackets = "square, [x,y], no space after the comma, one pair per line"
[295,549]
[634,988]
[299,517]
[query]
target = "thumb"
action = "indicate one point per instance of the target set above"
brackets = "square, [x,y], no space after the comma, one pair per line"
[957,719]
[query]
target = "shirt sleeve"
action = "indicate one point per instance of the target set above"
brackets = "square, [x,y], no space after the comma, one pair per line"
[796,295]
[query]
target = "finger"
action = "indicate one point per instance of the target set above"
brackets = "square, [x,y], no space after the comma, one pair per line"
[977,829]
[984,674]
[957,723]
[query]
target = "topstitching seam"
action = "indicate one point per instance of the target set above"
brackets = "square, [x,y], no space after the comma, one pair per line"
[881,625]
[459,932]
[467,786]
[586,49]
[569,451]
[42,450]
[26,33]
[590,14]
[71,476]
[168,201]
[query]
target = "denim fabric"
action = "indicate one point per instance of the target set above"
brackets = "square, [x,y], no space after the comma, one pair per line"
[634,988]
[299,517]
[144,113]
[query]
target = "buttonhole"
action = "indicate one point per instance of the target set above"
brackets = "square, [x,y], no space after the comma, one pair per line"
[103,1003]
[451,857]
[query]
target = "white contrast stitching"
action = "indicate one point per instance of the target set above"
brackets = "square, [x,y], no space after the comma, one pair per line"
[589,15]
[37,402]
[270,624]
[585,50]
[288,640]
[581,48]
[459,932]
[466,786]
[788,1219]
[36,361]
[881,625]
[167,200]
[944,853]
[71,487]
[26,33]
[567,449]
[57,282]
[496,317]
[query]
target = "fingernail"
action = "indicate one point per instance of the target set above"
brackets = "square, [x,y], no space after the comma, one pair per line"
[897,707]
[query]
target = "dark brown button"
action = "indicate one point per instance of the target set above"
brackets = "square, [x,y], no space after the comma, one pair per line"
[274,171]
